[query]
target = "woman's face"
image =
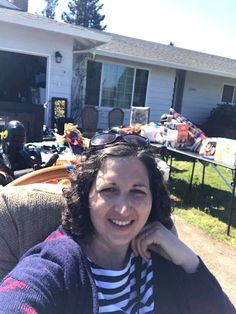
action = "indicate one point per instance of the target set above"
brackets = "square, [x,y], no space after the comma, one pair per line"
[120,201]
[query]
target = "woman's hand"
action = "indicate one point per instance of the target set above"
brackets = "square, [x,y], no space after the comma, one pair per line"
[156,237]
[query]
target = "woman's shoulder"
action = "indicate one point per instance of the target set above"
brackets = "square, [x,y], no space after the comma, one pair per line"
[52,272]
[58,247]
[57,256]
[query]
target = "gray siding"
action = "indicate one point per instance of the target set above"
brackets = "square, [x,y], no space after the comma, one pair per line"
[201,94]
[160,91]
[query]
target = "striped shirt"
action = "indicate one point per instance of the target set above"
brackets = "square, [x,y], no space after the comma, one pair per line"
[127,290]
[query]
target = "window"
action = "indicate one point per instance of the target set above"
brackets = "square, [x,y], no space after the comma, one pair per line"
[94,70]
[140,88]
[115,85]
[228,94]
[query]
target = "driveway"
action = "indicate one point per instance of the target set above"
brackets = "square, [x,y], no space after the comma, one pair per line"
[219,257]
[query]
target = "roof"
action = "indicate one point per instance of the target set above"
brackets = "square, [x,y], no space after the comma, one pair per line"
[87,37]
[147,52]
[125,48]
[8,5]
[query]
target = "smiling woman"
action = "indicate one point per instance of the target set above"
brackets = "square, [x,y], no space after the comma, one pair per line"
[120,203]
[115,251]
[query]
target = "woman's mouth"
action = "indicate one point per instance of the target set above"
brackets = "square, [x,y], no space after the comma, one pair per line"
[121,223]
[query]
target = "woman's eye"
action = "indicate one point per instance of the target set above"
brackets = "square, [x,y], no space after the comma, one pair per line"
[138,192]
[108,190]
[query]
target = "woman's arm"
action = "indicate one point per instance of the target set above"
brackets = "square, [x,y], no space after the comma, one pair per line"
[52,277]
[156,237]
[34,286]
[189,278]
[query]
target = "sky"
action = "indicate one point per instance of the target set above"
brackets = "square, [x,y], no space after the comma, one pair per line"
[203,25]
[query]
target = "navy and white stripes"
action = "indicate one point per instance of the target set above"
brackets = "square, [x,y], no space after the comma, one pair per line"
[126,290]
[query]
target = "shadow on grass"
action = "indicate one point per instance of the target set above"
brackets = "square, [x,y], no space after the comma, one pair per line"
[208,199]
[179,170]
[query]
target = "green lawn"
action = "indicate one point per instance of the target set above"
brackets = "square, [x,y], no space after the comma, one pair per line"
[207,207]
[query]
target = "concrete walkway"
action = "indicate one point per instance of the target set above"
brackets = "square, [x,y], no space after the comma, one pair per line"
[219,257]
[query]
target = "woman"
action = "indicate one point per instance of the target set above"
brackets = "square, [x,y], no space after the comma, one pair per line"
[114,252]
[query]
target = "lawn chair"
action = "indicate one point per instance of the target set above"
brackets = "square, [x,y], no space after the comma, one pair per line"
[89,121]
[115,118]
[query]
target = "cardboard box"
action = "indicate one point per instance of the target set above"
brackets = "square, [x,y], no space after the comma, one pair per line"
[226,151]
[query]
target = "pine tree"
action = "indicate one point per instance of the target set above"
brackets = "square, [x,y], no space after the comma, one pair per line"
[84,13]
[49,10]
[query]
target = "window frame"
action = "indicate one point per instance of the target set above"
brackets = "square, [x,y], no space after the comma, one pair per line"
[233,100]
[135,68]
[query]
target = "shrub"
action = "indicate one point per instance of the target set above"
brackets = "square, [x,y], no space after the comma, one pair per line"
[221,122]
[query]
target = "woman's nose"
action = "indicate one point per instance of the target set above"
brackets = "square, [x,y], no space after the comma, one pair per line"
[123,206]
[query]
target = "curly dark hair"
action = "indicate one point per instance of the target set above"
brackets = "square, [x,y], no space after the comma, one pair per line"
[76,215]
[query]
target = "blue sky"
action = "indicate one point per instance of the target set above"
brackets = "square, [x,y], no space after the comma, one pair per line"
[203,25]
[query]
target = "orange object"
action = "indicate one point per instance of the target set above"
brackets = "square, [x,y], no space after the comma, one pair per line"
[182,132]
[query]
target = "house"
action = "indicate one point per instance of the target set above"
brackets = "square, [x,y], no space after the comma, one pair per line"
[30,76]
[60,67]
[191,82]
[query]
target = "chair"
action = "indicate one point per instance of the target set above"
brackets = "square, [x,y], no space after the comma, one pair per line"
[89,120]
[28,214]
[115,117]
[51,174]
[139,115]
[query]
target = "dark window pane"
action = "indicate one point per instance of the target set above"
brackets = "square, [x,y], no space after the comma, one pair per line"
[22,78]
[140,88]
[93,83]
[117,86]
[228,92]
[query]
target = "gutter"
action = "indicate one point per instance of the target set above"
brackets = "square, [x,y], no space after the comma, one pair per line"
[43,23]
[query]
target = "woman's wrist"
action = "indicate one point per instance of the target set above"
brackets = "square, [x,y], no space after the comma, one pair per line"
[191,264]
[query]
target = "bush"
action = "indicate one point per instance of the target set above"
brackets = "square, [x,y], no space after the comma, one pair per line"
[221,122]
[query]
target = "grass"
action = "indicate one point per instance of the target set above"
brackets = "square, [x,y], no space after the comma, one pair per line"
[206,207]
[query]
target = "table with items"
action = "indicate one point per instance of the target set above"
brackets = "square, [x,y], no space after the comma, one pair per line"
[170,152]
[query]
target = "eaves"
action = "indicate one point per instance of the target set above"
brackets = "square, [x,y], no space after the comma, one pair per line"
[163,63]
[42,23]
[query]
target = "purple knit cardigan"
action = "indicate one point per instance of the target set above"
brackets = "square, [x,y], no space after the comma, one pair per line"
[54,278]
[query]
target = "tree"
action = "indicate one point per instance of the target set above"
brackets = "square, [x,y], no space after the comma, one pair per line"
[84,13]
[49,10]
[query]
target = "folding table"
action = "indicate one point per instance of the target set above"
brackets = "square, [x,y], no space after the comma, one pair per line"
[194,157]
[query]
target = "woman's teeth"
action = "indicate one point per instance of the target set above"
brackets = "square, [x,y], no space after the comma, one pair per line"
[121,223]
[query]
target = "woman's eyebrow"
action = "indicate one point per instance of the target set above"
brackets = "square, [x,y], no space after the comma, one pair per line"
[107,183]
[141,185]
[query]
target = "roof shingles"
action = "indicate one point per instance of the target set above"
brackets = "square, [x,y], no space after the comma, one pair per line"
[155,53]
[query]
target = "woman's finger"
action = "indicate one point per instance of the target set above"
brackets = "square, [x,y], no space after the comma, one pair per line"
[145,239]
[142,243]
